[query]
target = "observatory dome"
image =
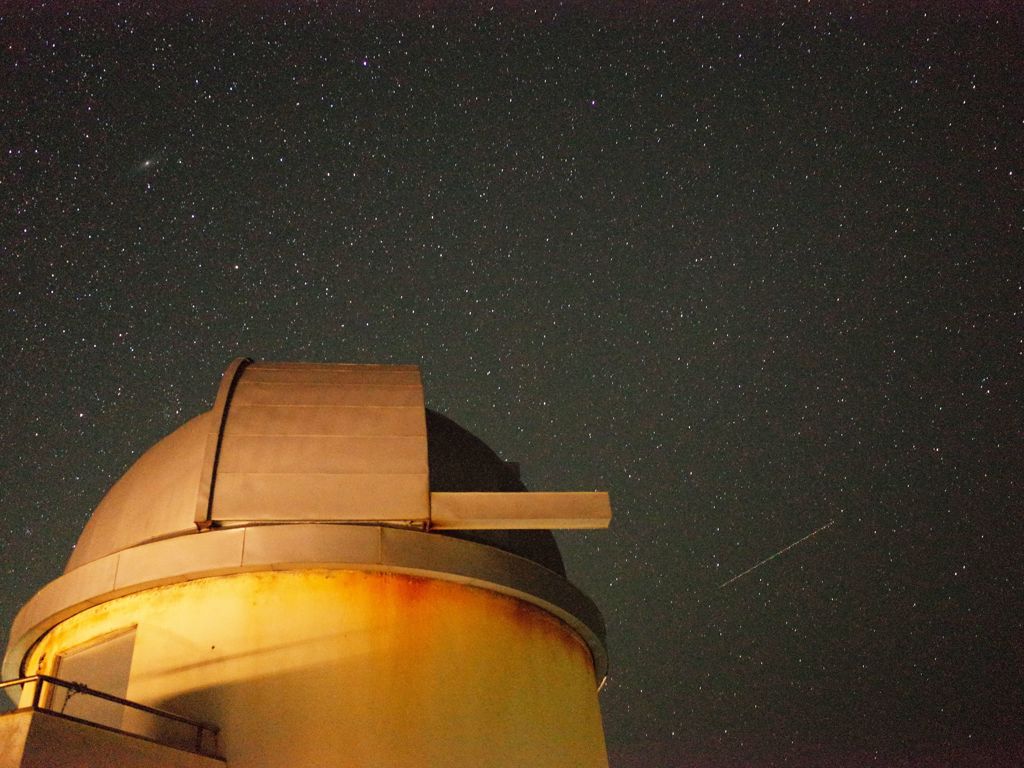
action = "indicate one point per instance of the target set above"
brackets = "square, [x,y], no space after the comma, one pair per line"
[304,468]
[156,498]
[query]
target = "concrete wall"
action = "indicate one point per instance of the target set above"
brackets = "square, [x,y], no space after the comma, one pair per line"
[347,668]
[39,740]
[13,734]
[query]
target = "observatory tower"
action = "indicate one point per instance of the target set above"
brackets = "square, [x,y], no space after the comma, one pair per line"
[316,572]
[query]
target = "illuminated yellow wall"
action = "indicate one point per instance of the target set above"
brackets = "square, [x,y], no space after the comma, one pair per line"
[348,668]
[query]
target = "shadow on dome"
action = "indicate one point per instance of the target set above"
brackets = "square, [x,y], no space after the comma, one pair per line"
[459,461]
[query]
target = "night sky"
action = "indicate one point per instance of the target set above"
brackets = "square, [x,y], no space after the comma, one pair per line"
[753,272]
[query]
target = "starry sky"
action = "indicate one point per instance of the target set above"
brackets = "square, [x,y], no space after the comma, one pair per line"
[753,269]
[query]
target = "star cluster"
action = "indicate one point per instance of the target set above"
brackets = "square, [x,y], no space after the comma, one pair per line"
[751,272]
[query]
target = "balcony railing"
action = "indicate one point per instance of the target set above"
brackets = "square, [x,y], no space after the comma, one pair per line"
[201,738]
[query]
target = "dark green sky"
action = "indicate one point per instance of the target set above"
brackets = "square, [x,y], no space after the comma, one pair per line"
[749,271]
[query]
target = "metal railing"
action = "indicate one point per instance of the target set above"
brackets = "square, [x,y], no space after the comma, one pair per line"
[205,742]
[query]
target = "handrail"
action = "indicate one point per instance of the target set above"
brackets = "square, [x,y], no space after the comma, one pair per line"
[200,726]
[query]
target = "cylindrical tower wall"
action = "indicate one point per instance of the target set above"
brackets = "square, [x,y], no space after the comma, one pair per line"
[316,667]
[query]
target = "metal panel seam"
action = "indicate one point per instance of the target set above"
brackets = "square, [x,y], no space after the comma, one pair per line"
[219,415]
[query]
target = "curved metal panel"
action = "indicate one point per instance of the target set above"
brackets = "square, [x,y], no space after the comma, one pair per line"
[154,499]
[333,442]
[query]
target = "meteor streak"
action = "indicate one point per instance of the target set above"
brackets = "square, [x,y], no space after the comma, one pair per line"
[772,557]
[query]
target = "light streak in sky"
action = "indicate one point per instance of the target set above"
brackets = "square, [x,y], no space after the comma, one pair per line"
[772,557]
